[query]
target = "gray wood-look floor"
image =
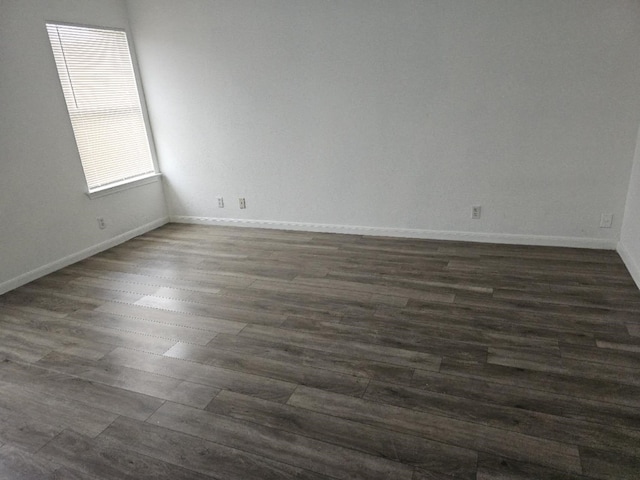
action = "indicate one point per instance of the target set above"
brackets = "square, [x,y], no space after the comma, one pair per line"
[206,352]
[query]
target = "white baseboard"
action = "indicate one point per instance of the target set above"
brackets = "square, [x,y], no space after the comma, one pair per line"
[81,255]
[506,238]
[630,262]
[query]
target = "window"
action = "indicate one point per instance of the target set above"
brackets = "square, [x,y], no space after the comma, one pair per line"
[99,85]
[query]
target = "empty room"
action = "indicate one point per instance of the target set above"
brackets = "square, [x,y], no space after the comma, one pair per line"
[320,239]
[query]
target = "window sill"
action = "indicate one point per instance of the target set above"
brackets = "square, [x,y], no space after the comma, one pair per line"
[125,185]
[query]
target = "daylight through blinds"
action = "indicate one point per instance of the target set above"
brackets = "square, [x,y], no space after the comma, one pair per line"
[99,85]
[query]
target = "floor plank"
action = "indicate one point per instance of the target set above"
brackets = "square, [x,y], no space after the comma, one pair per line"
[60,413]
[465,434]
[297,450]
[130,379]
[40,380]
[408,449]
[202,456]
[107,459]
[16,464]
[213,376]
[288,371]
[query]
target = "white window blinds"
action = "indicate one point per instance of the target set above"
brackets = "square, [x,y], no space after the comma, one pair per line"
[99,85]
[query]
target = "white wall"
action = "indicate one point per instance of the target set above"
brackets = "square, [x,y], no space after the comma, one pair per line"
[358,112]
[629,247]
[46,220]
[397,114]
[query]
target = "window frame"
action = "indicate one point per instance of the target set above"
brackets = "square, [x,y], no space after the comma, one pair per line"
[125,184]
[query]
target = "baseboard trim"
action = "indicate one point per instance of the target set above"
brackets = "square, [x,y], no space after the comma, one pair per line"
[81,255]
[630,263]
[505,238]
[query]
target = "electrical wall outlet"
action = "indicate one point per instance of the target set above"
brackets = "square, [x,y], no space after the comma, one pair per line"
[243,203]
[101,223]
[476,211]
[606,220]
[220,202]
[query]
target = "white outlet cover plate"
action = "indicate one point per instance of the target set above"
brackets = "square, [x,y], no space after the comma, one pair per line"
[606,220]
